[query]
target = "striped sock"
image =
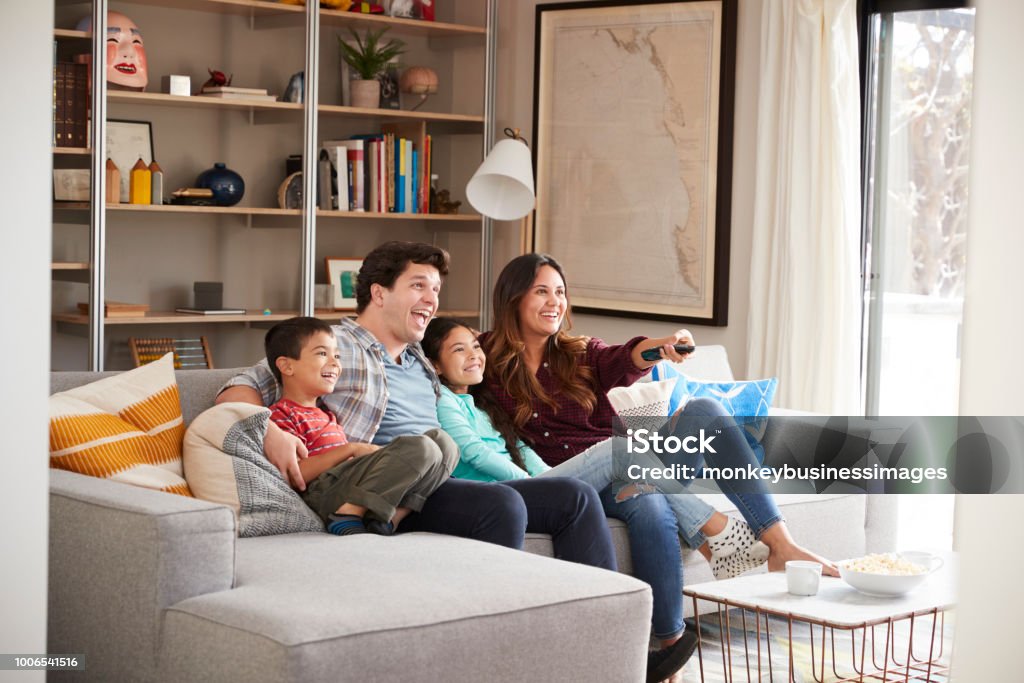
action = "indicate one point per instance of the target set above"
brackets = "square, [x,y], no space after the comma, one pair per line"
[345,525]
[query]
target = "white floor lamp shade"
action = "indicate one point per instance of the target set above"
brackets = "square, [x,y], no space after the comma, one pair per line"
[502,188]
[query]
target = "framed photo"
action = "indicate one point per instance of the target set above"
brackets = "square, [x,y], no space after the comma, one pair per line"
[341,273]
[127,142]
[71,184]
[633,111]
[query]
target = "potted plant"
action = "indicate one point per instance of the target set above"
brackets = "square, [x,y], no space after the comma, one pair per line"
[369,59]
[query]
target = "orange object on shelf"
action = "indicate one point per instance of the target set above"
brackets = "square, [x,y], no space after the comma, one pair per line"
[140,183]
[118,309]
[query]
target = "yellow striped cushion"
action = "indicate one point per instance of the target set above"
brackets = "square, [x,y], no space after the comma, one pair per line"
[127,428]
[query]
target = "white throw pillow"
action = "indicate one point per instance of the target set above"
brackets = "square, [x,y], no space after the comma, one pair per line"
[224,464]
[642,399]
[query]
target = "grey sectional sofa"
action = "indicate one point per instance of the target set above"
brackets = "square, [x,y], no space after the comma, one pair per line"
[156,587]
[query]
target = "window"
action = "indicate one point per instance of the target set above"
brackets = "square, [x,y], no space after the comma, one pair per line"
[918,65]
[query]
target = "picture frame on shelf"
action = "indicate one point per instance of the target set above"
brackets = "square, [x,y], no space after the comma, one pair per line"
[127,142]
[341,273]
[71,184]
[633,119]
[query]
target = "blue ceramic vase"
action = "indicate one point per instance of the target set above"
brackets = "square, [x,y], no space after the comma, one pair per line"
[228,187]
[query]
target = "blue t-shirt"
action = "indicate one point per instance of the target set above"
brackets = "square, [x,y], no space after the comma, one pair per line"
[412,404]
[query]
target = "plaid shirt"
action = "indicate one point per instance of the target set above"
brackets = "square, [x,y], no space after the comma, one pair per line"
[361,394]
[559,435]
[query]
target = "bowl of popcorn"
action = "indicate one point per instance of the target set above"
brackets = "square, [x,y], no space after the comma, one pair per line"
[889,574]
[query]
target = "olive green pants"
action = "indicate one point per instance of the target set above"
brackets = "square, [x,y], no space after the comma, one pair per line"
[402,474]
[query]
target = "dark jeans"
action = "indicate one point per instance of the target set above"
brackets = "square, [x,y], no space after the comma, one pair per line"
[503,512]
[654,547]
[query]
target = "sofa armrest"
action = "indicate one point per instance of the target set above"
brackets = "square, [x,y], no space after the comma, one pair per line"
[120,555]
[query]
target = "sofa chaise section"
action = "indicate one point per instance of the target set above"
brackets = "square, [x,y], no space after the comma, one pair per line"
[415,607]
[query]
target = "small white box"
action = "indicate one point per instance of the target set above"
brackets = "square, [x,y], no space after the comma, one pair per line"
[177,85]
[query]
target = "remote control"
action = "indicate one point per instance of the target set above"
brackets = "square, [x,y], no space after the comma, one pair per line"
[655,353]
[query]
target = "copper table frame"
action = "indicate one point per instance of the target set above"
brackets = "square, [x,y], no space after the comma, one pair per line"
[912,668]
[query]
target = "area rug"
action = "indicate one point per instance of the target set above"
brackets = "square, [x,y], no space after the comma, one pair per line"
[744,660]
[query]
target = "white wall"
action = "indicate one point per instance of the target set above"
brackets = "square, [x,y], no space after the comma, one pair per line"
[25,343]
[990,597]
[516,22]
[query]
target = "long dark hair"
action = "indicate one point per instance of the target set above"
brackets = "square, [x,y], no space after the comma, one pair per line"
[505,346]
[434,338]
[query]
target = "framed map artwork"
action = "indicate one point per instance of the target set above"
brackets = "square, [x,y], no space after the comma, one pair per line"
[633,110]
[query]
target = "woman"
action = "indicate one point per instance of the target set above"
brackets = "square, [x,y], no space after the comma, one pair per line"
[554,386]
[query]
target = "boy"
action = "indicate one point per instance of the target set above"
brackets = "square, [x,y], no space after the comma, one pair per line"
[347,483]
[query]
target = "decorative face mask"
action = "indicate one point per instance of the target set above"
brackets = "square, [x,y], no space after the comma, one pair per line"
[126,55]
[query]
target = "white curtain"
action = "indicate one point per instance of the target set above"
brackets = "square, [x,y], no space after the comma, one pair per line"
[804,322]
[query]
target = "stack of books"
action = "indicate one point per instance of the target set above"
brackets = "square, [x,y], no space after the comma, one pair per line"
[231,92]
[70,104]
[386,172]
[118,309]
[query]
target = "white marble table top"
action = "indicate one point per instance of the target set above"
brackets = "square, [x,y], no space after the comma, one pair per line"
[837,603]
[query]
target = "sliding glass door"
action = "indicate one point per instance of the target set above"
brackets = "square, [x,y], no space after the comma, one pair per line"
[917,135]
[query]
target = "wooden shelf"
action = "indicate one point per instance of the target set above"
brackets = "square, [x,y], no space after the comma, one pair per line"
[332,315]
[165,100]
[66,271]
[215,210]
[399,26]
[248,8]
[266,211]
[443,123]
[261,8]
[71,34]
[373,215]
[172,318]
[454,122]
[72,151]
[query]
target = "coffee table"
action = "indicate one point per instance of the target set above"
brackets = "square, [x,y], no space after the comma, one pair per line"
[836,608]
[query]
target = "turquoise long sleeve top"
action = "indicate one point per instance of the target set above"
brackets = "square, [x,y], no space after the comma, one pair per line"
[483,455]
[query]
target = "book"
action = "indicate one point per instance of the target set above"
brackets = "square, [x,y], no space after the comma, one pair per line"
[400,175]
[238,96]
[337,151]
[356,155]
[78,115]
[60,104]
[415,201]
[211,311]
[325,189]
[118,309]
[233,89]
[408,187]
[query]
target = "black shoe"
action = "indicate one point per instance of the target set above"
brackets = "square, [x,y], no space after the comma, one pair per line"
[664,662]
[375,526]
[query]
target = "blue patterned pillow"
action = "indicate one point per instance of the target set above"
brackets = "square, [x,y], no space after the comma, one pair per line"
[747,400]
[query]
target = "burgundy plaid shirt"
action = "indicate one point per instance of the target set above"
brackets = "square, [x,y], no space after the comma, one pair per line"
[559,435]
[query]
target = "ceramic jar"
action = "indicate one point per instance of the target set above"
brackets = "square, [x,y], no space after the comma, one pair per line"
[228,187]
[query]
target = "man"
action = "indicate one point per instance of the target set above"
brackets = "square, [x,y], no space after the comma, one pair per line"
[388,389]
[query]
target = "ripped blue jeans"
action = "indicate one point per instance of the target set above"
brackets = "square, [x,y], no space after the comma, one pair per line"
[602,466]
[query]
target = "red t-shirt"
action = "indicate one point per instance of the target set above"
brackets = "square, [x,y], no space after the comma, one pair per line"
[318,429]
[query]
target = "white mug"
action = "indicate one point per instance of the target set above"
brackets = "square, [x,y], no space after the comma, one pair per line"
[802,577]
